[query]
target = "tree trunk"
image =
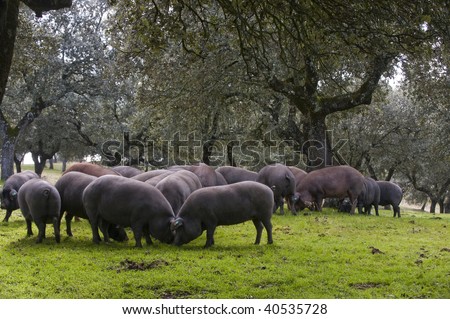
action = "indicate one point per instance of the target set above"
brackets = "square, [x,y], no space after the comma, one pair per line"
[50,163]
[423,205]
[441,205]
[9,14]
[8,146]
[64,165]
[207,151]
[39,163]
[433,206]
[230,156]
[18,162]
[316,144]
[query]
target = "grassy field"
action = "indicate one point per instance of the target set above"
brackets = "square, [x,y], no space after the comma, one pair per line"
[321,255]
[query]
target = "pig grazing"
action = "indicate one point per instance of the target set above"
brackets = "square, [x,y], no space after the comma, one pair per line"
[390,194]
[209,207]
[298,175]
[236,174]
[282,182]
[126,171]
[70,187]
[128,203]
[39,201]
[177,187]
[336,181]
[10,190]
[344,205]
[369,196]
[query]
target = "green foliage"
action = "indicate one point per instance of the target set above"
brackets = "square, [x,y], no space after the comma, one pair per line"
[320,255]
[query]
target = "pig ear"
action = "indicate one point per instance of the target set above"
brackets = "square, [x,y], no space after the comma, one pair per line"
[176,223]
[13,194]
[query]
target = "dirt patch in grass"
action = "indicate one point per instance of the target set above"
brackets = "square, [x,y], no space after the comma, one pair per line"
[175,294]
[284,229]
[366,285]
[375,250]
[133,265]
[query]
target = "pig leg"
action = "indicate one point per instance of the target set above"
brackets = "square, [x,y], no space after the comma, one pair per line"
[268,225]
[41,227]
[396,209]
[376,209]
[210,236]
[354,202]
[29,230]
[95,235]
[56,224]
[137,231]
[104,225]
[281,205]
[259,228]
[148,240]
[8,214]
[319,201]
[69,218]
[360,208]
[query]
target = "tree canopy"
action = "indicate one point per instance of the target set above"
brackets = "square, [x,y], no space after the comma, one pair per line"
[323,56]
[247,83]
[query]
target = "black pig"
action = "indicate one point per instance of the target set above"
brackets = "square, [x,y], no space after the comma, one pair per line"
[369,196]
[236,174]
[390,194]
[282,182]
[70,187]
[39,201]
[128,203]
[10,190]
[209,207]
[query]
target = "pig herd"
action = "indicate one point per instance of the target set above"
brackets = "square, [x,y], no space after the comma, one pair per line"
[176,205]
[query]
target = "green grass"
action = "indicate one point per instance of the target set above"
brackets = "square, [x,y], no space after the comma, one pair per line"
[322,255]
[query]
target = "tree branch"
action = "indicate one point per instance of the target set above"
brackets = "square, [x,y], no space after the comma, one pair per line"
[40,6]
[364,94]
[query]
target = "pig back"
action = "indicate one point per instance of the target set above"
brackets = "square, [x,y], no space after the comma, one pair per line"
[236,174]
[229,204]
[91,169]
[335,181]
